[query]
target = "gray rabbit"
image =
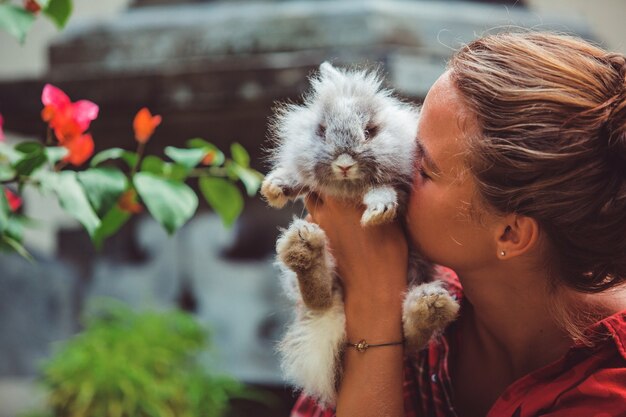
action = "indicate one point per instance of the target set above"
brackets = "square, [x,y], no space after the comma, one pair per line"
[352,139]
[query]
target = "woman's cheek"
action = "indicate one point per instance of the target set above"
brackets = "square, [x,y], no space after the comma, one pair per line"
[419,218]
[429,226]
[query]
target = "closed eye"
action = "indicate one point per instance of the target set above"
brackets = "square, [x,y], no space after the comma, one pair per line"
[370,131]
[420,170]
[321,131]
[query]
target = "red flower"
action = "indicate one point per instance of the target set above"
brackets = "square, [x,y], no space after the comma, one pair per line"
[15,202]
[81,148]
[1,128]
[128,202]
[66,118]
[208,158]
[144,125]
[32,6]
[69,121]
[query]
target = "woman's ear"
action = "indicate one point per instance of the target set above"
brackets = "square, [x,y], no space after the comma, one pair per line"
[516,235]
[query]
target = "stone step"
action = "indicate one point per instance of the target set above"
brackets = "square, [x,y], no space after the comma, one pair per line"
[19,395]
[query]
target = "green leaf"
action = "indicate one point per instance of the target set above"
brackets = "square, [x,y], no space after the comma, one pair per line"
[157,166]
[33,157]
[30,147]
[6,172]
[115,153]
[55,153]
[175,172]
[170,202]
[46,181]
[152,164]
[188,158]
[30,162]
[12,235]
[199,143]
[103,187]
[15,20]
[5,211]
[59,12]
[73,199]
[250,178]
[17,247]
[223,196]
[15,227]
[240,155]
[8,153]
[110,224]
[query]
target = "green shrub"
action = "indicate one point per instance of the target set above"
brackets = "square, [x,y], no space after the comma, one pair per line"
[130,364]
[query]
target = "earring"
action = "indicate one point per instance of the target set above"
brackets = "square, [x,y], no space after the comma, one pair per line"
[502,253]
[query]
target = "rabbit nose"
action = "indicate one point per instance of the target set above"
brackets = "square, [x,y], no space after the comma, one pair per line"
[345,168]
[344,161]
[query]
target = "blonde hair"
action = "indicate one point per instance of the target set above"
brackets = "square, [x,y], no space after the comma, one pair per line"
[551,112]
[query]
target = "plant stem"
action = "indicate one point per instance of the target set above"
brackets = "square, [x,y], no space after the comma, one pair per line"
[49,136]
[23,179]
[140,150]
[59,166]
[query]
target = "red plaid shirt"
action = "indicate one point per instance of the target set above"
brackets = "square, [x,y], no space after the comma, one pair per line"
[586,382]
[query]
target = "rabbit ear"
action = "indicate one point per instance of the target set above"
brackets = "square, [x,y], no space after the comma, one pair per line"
[328,71]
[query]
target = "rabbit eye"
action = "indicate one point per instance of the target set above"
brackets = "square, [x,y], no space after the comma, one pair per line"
[370,131]
[321,131]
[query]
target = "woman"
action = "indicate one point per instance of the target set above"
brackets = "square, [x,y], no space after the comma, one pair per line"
[521,190]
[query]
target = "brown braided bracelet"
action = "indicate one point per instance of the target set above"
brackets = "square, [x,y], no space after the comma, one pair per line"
[362,346]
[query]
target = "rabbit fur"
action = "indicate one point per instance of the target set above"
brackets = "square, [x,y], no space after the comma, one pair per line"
[351,138]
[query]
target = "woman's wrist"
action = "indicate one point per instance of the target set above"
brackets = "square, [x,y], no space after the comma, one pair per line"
[376,281]
[372,378]
[377,319]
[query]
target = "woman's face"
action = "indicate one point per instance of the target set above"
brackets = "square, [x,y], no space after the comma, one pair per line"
[439,219]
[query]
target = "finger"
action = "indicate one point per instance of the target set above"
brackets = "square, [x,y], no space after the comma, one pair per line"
[339,204]
[312,202]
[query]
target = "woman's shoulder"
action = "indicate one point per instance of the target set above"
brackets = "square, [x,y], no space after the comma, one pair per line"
[588,381]
[597,374]
[616,327]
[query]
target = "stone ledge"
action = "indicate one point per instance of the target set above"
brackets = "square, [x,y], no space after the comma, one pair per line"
[18,395]
[165,36]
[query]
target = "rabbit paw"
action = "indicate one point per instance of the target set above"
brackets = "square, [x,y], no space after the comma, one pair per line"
[300,246]
[379,214]
[428,308]
[381,204]
[274,190]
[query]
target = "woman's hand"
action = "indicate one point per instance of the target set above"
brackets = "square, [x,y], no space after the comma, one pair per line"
[371,261]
